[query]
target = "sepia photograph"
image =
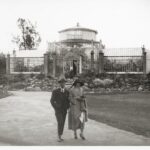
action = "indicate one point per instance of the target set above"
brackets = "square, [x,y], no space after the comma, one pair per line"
[74,73]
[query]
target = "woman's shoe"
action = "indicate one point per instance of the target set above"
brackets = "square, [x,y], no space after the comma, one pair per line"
[75,137]
[82,137]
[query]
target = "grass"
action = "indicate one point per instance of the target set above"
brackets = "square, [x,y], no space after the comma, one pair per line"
[2,95]
[130,112]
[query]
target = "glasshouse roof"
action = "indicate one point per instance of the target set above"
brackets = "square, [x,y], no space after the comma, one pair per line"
[123,51]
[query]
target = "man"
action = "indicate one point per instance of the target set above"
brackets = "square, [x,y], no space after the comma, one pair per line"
[60,103]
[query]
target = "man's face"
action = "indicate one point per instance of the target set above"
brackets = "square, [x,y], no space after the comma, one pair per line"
[62,84]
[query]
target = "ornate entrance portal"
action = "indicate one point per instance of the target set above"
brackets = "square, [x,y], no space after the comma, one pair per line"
[73,63]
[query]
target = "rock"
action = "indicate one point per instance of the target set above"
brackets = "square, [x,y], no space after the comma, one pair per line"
[140,88]
[37,89]
[29,88]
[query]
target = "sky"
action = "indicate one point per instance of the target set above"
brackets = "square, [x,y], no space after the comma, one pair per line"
[120,23]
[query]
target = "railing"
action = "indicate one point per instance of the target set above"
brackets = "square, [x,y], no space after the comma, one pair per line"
[123,64]
[26,65]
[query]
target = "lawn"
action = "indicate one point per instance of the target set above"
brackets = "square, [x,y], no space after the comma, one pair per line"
[129,112]
[3,95]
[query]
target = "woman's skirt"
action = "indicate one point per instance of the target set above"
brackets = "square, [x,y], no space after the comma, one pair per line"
[76,118]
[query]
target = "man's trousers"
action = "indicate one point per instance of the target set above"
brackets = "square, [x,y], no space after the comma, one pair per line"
[61,117]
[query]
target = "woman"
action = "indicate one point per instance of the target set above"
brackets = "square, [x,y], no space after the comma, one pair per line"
[78,109]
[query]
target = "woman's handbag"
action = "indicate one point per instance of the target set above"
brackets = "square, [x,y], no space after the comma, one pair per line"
[82,117]
[82,103]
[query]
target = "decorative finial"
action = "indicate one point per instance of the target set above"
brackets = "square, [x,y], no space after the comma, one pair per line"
[14,53]
[143,48]
[78,24]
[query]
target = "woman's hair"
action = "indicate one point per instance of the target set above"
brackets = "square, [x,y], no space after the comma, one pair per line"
[78,81]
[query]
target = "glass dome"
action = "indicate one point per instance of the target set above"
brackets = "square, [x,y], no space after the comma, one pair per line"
[77,34]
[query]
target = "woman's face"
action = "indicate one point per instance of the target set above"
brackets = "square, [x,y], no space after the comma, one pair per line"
[78,85]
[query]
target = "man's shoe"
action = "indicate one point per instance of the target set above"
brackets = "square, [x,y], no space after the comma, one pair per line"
[75,135]
[60,139]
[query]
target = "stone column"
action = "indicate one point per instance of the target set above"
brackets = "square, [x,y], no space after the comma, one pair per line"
[46,64]
[144,60]
[63,65]
[92,60]
[8,64]
[54,64]
[80,65]
[101,62]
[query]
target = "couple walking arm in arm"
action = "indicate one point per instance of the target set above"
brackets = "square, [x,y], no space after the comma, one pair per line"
[62,100]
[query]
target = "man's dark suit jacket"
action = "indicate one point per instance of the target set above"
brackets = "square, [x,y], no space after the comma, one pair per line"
[60,100]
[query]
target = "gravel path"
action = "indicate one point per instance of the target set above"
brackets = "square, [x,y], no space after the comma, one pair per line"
[27,118]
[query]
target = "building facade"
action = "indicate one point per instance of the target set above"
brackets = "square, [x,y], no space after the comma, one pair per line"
[78,51]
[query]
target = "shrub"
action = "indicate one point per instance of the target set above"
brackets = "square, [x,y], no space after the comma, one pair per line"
[40,76]
[49,77]
[19,77]
[2,63]
[17,85]
[32,75]
[107,83]
[148,76]
[98,82]
[89,73]
[3,79]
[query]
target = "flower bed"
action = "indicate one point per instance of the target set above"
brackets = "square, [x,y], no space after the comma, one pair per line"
[3,92]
